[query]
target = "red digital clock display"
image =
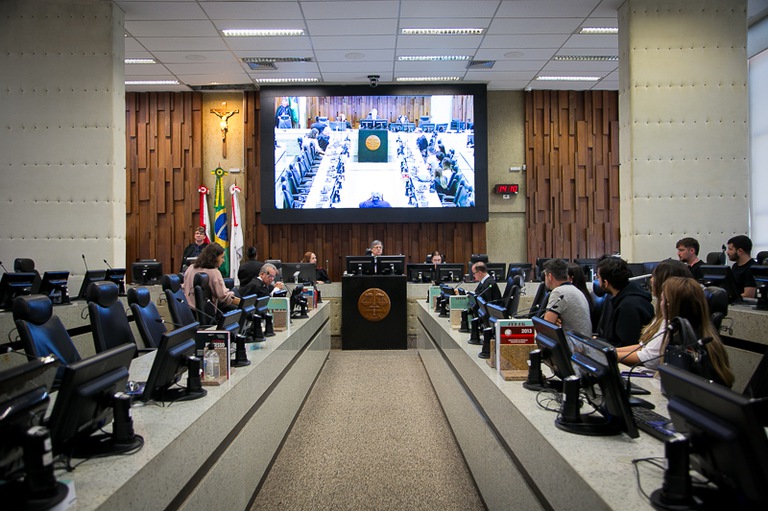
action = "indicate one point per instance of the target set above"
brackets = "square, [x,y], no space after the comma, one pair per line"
[511,189]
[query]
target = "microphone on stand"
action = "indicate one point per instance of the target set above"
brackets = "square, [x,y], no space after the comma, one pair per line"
[165,321]
[195,309]
[108,265]
[85,263]
[4,268]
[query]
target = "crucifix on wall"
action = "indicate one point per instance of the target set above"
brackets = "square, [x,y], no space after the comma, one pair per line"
[224,116]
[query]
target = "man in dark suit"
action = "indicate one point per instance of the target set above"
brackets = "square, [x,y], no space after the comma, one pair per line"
[264,284]
[487,288]
[250,269]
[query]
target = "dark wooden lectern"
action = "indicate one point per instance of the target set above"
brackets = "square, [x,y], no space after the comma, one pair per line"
[373,312]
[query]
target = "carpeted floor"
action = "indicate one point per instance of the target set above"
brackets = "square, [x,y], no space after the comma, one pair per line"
[370,436]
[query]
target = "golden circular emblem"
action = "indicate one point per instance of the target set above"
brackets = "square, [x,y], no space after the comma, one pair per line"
[374,304]
[372,142]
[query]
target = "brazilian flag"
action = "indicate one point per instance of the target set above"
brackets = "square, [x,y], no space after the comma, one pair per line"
[220,219]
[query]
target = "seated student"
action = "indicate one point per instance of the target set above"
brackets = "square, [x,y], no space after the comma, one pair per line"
[688,252]
[684,297]
[630,305]
[738,251]
[487,287]
[264,284]
[249,270]
[209,261]
[310,140]
[648,349]
[579,281]
[566,305]
[320,274]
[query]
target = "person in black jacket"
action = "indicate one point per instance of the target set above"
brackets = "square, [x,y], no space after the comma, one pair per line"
[250,269]
[487,288]
[630,305]
[264,284]
[194,249]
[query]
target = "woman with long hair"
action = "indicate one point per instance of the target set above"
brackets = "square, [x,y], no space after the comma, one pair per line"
[208,262]
[647,352]
[577,279]
[684,298]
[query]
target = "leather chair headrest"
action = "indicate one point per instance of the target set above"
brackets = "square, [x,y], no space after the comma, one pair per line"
[717,299]
[102,293]
[201,279]
[36,309]
[139,296]
[23,265]
[171,281]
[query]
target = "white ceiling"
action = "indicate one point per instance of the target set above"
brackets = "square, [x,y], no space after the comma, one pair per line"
[348,40]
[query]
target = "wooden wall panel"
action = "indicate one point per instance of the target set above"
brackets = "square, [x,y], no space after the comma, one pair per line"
[572,145]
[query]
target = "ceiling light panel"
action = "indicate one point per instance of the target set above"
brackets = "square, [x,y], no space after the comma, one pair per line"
[552,78]
[442,31]
[599,30]
[258,32]
[432,58]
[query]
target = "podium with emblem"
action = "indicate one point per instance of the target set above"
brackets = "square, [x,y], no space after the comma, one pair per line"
[372,145]
[373,312]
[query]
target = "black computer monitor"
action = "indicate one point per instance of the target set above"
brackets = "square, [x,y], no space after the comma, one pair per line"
[595,363]
[757,386]
[497,270]
[262,305]
[760,274]
[116,275]
[390,265]
[360,265]
[555,351]
[300,273]
[515,268]
[90,277]
[298,301]
[450,272]
[726,438]
[54,286]
[13,285]
[85,403]
[146,272]
[229,321]
[171,361]
[367,124]
[720,276]
[421,272]
[24,398]
[588,266]
[380,124]
[481,307]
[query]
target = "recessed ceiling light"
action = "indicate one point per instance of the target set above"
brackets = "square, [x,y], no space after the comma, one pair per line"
[236,32]
[355,55]
[431,58]
[196,58]
[599,30]
[586,58]
[568,78]
[442,31]
[428,79]
[286,80]
[266,60]
[151,82]
[140,61]
[514,54]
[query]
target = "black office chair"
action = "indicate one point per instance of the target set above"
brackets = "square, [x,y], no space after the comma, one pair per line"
[513,297]
[206,312]
[181,314]
[109,322]
[762,257]
[716,258]
[25,265]
[717,299]
[42,332]
[148,320]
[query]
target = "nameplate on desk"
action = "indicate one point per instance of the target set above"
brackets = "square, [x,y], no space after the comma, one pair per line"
[456,304]
[278,307]
[514,341]
[434,293]
[309,293]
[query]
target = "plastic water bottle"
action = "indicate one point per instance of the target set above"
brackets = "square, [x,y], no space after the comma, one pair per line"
[212,366]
